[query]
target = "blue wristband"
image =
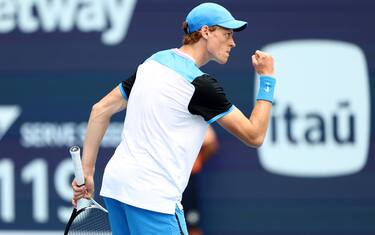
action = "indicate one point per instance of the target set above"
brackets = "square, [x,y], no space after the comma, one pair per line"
[266,88]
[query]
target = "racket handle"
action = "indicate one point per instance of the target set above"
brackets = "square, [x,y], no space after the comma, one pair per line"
[75,154]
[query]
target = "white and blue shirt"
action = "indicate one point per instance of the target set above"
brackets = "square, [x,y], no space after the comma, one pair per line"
[171,102]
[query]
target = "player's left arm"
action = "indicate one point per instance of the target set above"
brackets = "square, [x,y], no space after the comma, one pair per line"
[252,130]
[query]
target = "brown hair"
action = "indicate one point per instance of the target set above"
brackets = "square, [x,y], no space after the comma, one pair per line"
[191,38]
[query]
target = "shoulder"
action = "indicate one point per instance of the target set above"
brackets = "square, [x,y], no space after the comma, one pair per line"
[207,86]
[205,80]
[172,60]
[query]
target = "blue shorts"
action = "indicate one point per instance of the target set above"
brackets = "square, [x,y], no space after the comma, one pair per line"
[130,220]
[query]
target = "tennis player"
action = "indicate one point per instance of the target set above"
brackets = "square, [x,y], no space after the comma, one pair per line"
[170,102]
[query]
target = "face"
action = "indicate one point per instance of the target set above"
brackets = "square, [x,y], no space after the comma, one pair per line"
[219,44]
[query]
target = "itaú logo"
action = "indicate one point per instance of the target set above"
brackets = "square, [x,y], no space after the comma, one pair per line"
[8,115]
[320,123]
[111,17]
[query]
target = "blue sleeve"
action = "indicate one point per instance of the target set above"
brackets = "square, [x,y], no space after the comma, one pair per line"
[127,85]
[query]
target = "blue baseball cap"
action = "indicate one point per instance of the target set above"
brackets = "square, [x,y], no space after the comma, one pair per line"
[212,14]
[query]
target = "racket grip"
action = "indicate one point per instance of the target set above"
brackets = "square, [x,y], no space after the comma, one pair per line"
[75,153]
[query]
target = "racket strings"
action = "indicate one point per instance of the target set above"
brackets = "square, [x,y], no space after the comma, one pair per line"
[91,221]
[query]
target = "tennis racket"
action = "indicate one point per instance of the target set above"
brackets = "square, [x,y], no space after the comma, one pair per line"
[89,217]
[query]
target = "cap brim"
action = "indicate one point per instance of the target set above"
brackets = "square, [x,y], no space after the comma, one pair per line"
[236,25]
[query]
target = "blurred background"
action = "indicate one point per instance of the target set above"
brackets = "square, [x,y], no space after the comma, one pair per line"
[315,172]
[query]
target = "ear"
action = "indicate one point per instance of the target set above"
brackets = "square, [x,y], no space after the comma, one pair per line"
[205,31]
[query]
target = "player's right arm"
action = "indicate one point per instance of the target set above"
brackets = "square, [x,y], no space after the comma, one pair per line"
[100,116]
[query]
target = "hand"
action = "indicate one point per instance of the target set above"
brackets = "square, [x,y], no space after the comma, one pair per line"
[85,191]
[263,63]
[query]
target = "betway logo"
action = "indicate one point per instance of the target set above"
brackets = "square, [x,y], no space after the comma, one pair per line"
[320,124]
[8,115]
[111,17]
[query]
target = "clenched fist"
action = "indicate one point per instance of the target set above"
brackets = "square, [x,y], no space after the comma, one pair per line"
[263,63]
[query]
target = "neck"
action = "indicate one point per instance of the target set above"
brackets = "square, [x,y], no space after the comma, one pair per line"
[198,52]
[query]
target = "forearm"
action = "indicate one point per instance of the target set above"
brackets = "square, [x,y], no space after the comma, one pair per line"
[252,130]
[259,120]
[100,116]
[96,128]
[259,117]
